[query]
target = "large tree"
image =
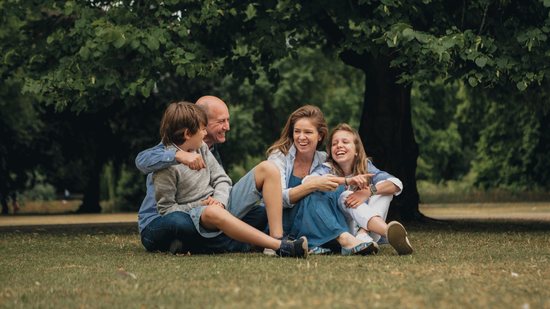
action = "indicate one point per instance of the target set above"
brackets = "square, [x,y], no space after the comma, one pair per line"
[499,46]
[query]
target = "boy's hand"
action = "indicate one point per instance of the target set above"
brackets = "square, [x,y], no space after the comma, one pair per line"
[193,160]
[357,198]
[210,201]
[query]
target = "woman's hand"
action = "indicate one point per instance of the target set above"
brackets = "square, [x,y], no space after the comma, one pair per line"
[357,198]
[323,183]
[360,181]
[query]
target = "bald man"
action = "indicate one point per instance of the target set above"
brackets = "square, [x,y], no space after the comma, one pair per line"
[174,232]
[218,122]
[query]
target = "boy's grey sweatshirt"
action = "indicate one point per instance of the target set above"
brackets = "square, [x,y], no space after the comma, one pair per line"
[179,188]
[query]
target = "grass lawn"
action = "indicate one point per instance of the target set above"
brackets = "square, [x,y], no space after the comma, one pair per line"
[456,265]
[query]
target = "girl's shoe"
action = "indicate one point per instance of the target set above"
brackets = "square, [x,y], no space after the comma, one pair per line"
[397,237]
[363,248]
[320,251]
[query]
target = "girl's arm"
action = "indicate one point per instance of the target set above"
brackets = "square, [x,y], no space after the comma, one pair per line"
[394,186]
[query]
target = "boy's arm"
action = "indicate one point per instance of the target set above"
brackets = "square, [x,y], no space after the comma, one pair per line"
[218,178]
[165,182]
[160,157]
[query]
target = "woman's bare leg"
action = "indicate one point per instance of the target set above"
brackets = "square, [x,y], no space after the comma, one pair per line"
[268,181]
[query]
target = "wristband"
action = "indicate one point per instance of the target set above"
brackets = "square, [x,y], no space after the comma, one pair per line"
[373,189]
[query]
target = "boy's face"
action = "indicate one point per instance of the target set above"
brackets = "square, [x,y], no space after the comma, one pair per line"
[194,141]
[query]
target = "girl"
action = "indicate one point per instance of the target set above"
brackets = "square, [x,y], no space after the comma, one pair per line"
[364,205]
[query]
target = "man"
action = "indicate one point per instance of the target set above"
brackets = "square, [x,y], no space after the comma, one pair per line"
[165,233]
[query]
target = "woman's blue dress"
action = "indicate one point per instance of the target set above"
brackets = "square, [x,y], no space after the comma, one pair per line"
[316,216]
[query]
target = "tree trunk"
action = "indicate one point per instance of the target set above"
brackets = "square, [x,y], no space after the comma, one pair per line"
[90,201]
[387,133]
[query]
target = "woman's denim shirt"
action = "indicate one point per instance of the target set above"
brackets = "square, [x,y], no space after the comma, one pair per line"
[285,163]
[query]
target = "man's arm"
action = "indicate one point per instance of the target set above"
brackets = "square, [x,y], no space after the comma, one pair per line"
[160,157]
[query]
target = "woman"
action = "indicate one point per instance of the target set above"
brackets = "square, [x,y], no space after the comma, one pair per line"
[310,209]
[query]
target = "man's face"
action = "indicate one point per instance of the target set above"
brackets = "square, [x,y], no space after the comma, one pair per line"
[218,124]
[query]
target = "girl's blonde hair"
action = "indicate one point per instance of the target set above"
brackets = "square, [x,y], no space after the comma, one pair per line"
[286,140]
[178,117]
[360,164]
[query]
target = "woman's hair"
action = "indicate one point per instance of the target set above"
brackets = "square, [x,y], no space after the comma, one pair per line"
[360,164]
[314,114]
[177,117]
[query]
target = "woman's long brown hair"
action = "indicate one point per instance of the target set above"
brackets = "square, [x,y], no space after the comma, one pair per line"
[286,140]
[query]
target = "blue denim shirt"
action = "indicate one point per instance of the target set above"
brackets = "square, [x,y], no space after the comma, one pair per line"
[147,162]
[285,163]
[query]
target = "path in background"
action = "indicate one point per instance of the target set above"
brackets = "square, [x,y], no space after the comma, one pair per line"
[488,211]
[12,222]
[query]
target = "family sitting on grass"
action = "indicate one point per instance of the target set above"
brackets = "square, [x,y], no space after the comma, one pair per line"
[307,201]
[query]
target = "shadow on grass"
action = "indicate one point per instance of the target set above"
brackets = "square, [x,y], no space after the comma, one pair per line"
[479,225]
[87,229]
[427,225]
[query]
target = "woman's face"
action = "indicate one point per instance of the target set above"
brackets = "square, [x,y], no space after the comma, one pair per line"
[305,136]
[343,147]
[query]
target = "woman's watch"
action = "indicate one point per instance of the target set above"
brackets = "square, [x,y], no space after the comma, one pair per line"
[373,189]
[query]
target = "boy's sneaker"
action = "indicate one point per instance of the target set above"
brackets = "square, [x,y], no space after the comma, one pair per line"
[176,246]
[293,248]
[397,237]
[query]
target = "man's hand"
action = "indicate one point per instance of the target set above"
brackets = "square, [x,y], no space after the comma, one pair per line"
[210,201]
[357,198]
[193,160]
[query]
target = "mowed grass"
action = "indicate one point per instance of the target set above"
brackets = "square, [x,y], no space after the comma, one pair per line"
[455,265]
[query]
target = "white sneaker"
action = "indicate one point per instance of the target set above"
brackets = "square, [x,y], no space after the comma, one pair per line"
[397,237]
[268,251]
[364,237]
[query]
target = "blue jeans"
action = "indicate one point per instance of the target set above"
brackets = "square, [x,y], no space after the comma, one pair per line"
[159,234]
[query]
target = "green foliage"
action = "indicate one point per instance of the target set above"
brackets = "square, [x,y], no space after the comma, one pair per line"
[513,147]
[443,155]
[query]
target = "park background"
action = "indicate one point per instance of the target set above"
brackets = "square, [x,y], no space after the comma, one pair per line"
[449,96]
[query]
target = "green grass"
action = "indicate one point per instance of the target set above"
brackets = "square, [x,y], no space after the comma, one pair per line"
[456,265]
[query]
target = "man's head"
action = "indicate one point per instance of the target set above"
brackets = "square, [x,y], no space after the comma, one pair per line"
[218,119]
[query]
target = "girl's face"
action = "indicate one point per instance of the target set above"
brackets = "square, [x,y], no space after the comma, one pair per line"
[194,141]
[343,147]
[305,136]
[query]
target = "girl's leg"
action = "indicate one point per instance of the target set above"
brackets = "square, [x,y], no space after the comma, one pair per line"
[268,181]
